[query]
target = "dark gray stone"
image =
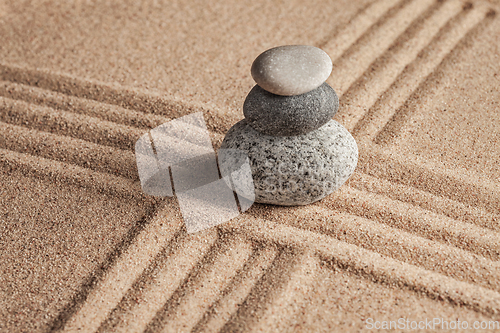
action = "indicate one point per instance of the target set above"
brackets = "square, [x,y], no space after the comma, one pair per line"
[296,170]
[290,115]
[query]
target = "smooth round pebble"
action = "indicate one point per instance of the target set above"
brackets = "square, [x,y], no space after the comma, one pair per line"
[292,69]
[295,170]
[279,115]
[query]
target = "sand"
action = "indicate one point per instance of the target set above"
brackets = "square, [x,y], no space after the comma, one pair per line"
[414,234]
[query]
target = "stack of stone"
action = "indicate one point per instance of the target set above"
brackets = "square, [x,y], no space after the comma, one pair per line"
[297,153]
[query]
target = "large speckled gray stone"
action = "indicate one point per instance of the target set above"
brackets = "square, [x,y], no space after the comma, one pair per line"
[278,115]
[292,69]
[295,170]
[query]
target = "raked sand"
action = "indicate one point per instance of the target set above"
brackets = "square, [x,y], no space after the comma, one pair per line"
[414,234]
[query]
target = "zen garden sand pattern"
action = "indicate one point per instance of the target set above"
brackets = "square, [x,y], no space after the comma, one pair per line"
[413,233]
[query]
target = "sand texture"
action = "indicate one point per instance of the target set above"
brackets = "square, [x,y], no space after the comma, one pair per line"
[414,233]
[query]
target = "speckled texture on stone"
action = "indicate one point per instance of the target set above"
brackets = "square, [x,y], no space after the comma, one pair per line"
[296,170]
[277,115]
[292,69]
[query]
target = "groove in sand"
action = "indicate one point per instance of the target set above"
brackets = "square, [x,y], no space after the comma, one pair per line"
[129,266]
[290,296]
[205,288]
[437,204]
[351,65]
[455,184]
[227,306]
[103,159]
[66,123]
[382,72]
[414,74]
[356,27]
[70,174]
[98,91]
[389,117]
[269,293]
[413,219]
[79,105]
[373,265]
[174,271]
[392,242]
[127,98]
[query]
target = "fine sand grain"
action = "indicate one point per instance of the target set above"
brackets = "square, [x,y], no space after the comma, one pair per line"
[414,233]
